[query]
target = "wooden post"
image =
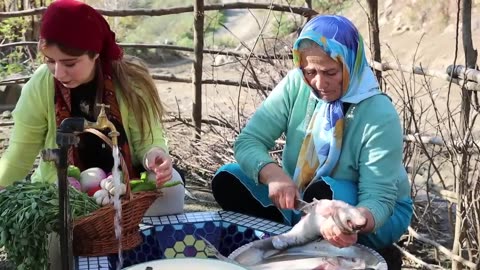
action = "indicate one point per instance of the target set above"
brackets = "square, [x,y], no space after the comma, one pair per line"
[309,3]
[198,17]
[470,60]
[310,6]
[374,35]
[461,185]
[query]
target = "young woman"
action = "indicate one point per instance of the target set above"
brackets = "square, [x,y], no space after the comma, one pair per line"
[84,66]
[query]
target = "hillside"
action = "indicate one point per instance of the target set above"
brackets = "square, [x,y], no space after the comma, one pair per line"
[417,27]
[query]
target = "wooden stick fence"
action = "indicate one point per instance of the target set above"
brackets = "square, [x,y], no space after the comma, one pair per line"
[460,73]
[168,47]
[306,12]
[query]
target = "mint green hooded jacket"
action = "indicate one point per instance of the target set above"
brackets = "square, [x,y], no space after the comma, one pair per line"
[371,151]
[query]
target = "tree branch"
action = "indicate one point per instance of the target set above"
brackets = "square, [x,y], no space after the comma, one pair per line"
[417,260]
[306,12]
[441,248]
[170,78]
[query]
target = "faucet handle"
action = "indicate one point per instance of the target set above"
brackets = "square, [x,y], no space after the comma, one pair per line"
[103,106]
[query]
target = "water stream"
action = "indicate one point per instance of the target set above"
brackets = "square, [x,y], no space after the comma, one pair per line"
[117,204]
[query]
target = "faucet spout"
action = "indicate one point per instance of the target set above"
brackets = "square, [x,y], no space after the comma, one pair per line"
[72,125]
[103,123]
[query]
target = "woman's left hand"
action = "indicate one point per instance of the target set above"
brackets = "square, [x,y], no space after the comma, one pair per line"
[343,223]
[160,163]
[333,234]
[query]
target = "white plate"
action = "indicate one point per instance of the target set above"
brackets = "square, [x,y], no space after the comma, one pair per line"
[179,263]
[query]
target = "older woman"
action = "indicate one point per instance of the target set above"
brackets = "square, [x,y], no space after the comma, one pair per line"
[343,142]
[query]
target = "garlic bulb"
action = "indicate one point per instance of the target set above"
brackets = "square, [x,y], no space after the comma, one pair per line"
[102,197]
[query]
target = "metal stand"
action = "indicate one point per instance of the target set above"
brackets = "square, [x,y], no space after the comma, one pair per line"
[66,137]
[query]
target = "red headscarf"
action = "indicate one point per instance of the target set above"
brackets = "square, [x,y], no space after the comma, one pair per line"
[76,25]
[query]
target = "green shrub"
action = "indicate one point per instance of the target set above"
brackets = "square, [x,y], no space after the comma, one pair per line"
[15,59]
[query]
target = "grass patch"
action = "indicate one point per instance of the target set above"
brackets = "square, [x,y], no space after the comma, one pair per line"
[285,23]
[176,28]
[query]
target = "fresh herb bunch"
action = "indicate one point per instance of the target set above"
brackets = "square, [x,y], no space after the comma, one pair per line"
[29,212]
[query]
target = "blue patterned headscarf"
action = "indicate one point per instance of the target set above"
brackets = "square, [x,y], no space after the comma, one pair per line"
[322,145]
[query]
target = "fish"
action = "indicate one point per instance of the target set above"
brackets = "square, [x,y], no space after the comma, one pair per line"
[317,255]
[315,263]
[346,217]
[290,246]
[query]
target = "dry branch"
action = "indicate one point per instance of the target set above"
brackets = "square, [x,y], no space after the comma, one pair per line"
[472,86]
[410,69]
[441,248]
[445,194]
[464,73]
[17,44]
[424,139]
[170,78]
[16,80]
[6,124]
[170,47]
[188,120]
[209,51]
[306,12]
[417,260]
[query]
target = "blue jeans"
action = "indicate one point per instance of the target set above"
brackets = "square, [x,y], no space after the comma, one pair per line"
[346,191]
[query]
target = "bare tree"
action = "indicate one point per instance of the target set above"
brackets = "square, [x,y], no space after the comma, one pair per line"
[199,17]
[374,35]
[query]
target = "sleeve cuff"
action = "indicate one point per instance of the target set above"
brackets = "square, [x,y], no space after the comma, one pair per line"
[378,212]
[256,173]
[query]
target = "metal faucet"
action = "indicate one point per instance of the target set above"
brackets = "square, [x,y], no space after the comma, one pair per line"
[103,123]
[67,136]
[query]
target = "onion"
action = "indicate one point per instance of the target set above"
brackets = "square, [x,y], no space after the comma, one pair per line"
[74,183]
[91,178]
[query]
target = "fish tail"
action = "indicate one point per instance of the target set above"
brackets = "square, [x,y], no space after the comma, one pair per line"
[209,247]
[212,249]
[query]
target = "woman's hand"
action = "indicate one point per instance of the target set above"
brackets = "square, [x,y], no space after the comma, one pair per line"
[344,222]
[333,234]
[281,189]
[160,163]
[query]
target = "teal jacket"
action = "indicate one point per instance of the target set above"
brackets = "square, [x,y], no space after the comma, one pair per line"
[35,129]
[371,150]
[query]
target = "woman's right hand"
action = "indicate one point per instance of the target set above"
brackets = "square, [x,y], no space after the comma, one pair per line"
[281,189]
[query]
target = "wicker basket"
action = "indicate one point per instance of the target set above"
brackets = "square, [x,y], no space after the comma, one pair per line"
[94,234]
